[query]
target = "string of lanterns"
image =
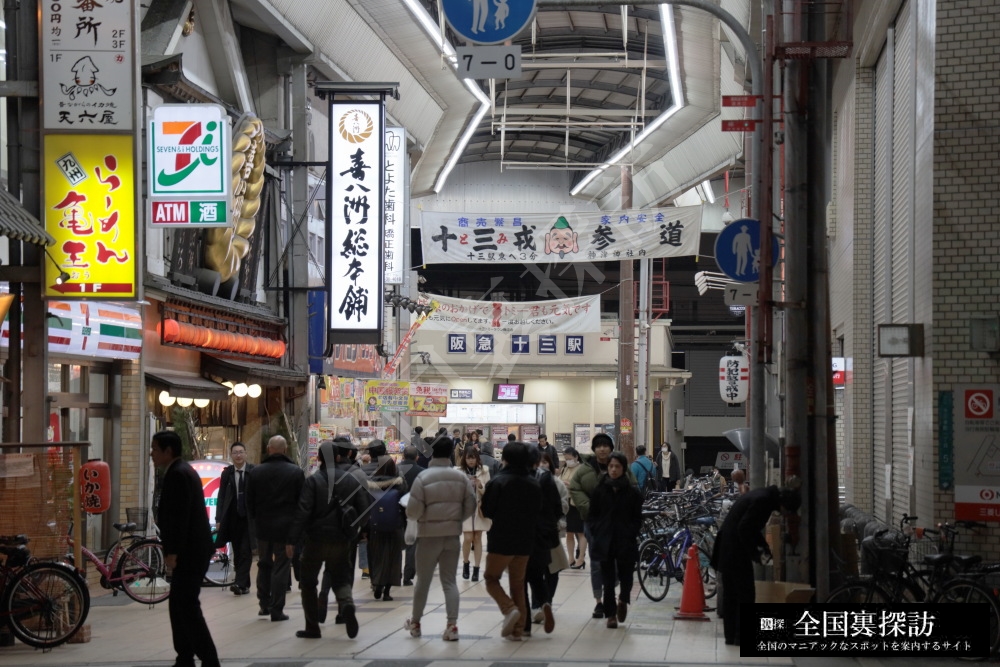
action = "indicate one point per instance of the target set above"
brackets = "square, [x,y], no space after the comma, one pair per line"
[241,389]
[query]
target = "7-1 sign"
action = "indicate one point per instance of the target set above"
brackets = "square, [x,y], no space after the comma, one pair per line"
[489,62]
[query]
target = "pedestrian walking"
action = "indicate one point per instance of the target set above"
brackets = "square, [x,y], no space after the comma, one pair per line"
[615,520]
[512,500]
[440,500]
[474,527]
[385,529]
[273,492]
[332,506]
[576,540]
[232,523]
[187,549]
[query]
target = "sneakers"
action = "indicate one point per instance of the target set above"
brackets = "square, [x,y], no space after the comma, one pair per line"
[350,620]
[599,610]
[538,616]
[413,627]
[612,622]
[510,620]
[622,610]
[550,620]
[450,633]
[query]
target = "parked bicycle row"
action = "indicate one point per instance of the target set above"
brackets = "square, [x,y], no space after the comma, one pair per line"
[916,564]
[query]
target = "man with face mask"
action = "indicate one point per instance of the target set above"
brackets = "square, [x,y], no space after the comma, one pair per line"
[581,487]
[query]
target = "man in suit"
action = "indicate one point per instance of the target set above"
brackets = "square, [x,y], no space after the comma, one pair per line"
[272,498]
[187,547]
[231,516]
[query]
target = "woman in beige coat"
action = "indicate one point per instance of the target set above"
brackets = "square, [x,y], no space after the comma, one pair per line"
[474,527]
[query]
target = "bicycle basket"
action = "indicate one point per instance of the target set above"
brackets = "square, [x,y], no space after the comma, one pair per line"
[138,516]
[884,554]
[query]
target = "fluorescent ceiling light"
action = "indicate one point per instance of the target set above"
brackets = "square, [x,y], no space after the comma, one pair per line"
[706,187]
[670,49]
[435,33]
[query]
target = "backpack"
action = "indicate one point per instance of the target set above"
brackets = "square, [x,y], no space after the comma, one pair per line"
[386,513]
[648,483]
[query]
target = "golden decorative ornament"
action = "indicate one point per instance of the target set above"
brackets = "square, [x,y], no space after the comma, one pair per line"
[355,126]
[226,247]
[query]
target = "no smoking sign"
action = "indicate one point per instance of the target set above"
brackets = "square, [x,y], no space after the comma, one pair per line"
[979,404]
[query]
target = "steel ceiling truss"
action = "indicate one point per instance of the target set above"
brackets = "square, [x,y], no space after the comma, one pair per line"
[578,115]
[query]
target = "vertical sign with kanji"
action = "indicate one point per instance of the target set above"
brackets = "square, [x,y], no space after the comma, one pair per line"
[88,64]
[396,205]
[355,273]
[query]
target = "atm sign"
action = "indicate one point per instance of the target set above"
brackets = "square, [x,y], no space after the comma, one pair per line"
[179,213]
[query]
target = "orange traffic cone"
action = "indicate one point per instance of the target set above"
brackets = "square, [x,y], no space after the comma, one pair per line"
[693,593]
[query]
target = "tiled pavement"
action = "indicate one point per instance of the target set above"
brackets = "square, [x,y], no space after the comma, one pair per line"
[124,632]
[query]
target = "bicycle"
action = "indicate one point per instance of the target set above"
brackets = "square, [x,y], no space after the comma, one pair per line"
[221,572]
[138,570]
[43,603]
[660,561]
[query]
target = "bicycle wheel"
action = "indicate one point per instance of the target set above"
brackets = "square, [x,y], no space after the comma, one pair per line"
[220,569]
[963,591]
[115,552]
[858,592]
[45,603]
[654,576]
[709,582]
[142,572]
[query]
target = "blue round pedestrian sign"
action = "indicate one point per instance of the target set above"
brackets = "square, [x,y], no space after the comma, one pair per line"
[737,250]
[488,21]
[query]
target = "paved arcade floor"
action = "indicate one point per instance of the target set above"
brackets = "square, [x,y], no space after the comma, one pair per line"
[124,632]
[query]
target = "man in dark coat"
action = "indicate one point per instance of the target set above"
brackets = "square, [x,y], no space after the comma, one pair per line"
[409,468]
[231,517]
[511,500]
[740,543]
[187,547]
[331,507]
[272,496]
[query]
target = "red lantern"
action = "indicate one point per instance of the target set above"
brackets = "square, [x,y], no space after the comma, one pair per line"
[95,486]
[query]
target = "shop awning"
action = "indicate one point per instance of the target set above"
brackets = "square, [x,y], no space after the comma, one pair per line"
[189,386]
[252,373]
[17,223]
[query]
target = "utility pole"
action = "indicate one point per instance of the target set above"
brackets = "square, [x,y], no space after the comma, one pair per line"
[626,337]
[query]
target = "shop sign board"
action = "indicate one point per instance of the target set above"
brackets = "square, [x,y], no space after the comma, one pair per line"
[397,185]
[976,425]
[355,260]
[88,65]
[89,208]
[576,315]
[428,400]
[190,166]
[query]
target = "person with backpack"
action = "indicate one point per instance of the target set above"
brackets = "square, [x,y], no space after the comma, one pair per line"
[644,470]
[385,529]
[332,506]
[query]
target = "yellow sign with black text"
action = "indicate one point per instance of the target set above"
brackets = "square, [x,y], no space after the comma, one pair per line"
[89,208]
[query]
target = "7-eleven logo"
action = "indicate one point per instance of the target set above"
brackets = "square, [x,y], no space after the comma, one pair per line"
[195,144]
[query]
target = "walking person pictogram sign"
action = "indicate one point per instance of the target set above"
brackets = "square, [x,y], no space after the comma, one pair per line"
[737,250]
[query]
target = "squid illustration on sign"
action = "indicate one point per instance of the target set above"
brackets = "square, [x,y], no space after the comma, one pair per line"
[85,80]
[225,247]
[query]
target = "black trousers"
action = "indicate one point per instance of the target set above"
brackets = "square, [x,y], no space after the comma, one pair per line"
[335,558]
[273,571]
[239,537]
[187,622]
[738,587]
[624,568]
